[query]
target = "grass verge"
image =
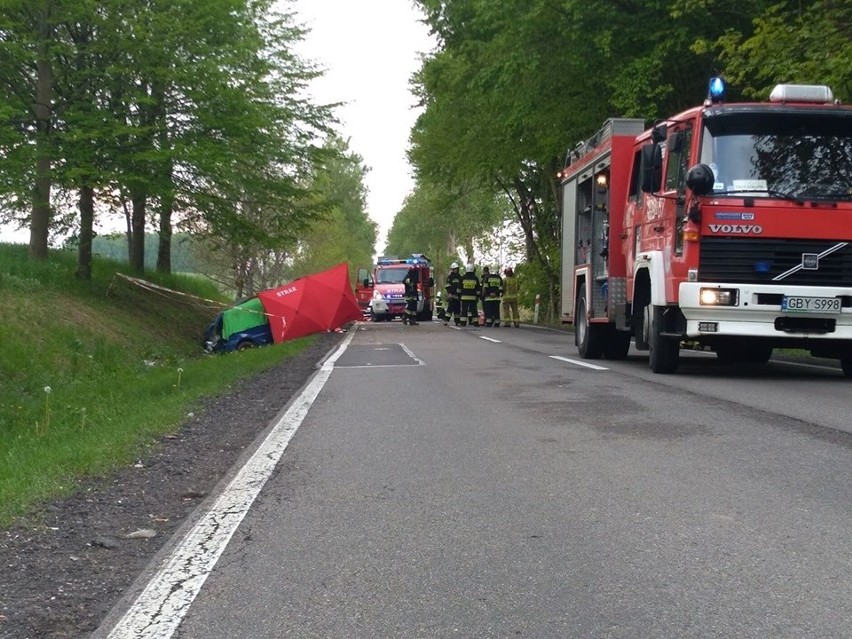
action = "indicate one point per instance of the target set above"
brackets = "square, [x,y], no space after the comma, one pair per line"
[92,373]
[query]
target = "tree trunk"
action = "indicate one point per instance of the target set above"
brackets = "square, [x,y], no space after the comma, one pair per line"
[167,200]
[137,234]
[40,219]
[128,227]
[87,220]
[164,249]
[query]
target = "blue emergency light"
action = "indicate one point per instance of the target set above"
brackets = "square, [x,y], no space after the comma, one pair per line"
[717,89]
[416,258]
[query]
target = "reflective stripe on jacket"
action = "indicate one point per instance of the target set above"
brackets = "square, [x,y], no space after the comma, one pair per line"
[492,287]
[469,287]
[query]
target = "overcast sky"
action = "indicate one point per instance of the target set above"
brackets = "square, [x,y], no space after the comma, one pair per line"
[369,49]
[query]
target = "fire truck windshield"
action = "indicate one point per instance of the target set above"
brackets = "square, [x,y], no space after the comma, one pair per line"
[394,275]
[793,153]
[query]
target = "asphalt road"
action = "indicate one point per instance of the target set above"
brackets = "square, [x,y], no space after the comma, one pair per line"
[467,483]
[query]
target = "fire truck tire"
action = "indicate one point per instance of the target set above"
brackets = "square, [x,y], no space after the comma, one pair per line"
[617,344]
[641,322]
[664,351]
[846,365]
[590,338]
[425,316]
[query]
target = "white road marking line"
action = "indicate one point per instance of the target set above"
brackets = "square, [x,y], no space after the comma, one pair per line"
[412,355]
[490,339]
[160,608]
[579,363]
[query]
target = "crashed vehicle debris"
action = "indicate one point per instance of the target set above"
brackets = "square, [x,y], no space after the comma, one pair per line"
[237,328]
[319,302]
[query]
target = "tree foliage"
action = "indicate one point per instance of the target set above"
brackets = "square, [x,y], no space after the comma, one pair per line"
[808,42]
[344,233]
[187,112]
[440,222]
[339,230]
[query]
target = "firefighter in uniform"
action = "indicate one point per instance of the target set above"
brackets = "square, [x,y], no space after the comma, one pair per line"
[470,291]
[410,284]
[492,289]
[453,288]
[440,311]
[482,279]
[511,286]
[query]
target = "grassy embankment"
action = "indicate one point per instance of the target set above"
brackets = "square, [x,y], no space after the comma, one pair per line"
[92,373]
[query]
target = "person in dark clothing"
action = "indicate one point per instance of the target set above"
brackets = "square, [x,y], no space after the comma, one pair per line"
[453,288]
[486,271]
[482,279]
[470,291]
[440,307]
[492,290]
[410,284]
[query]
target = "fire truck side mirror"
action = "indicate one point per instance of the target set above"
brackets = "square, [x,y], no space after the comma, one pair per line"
[652,167]
[700,179]
[675,142]
[430,282]
[368,283]
[659,132]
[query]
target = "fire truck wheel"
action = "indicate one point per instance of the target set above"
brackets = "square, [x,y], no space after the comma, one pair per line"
[617,344]
[641,323]
[846,365]
[590,338]
[664,351]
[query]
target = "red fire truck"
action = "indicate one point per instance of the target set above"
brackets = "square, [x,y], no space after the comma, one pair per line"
[380,291]
[726,227]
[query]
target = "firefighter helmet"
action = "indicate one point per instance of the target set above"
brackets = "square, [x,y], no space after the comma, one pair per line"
[469,268]
[454,266]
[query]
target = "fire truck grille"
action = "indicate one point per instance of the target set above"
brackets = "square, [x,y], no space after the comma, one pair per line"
[800,262]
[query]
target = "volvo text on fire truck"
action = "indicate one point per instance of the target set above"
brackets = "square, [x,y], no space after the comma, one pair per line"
[726,227]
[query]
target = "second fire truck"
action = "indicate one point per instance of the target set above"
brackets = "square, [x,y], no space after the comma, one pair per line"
[381,293]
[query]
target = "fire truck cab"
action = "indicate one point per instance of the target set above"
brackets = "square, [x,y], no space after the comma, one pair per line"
[381,293]
[726,227]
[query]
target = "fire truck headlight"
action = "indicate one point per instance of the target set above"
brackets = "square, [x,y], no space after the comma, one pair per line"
[718,297]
